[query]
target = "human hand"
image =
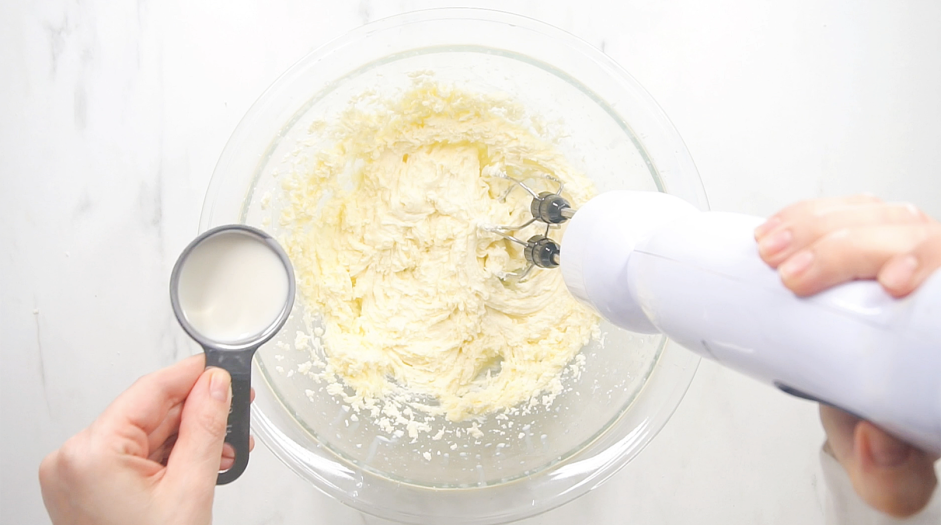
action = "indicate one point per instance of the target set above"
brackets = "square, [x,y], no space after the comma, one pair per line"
[152,457]
[818,244]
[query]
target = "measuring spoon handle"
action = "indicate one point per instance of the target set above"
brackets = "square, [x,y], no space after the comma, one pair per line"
[239,365]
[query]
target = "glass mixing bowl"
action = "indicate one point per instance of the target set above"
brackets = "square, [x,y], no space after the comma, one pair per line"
[608,127]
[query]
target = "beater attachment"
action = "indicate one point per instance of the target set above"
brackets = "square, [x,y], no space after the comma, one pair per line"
[548,208]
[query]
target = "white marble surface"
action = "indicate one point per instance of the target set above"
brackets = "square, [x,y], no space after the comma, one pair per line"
[112,114]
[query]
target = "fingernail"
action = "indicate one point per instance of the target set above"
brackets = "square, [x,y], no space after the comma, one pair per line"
[796,264]
[775,243]
[887,451]
[768,225]
[219,385]
[910,208]
[898,273]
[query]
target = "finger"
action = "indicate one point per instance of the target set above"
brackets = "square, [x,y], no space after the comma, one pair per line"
[228,454]
[890,475]
[846,255]
[144,407]
[251,396]
[800,231]
[840,428]
[166,429]
[169,427]
[228,457]
[194,462]
[161,453]
[810,207]
[906,272]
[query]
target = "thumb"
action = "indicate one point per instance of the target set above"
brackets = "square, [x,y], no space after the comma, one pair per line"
[905,272]
[890,475]
[193,464]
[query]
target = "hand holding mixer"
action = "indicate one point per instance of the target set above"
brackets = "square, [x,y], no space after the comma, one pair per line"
[650,262]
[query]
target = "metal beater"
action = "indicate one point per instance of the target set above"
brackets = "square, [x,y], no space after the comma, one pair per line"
[547,207]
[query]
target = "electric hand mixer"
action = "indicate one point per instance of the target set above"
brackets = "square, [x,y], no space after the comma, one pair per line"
[650,262]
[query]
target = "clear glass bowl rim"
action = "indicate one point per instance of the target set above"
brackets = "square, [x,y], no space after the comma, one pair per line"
[563,482]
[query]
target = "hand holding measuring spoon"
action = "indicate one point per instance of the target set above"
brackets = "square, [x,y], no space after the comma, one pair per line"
[155,454]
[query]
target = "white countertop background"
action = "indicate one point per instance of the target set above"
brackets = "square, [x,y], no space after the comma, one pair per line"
[113,113]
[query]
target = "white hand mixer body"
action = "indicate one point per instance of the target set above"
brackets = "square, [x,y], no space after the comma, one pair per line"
[651,262]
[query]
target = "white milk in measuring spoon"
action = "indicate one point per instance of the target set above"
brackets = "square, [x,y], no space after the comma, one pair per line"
[232,287]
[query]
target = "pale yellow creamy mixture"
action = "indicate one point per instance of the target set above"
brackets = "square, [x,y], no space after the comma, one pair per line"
[385,230]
